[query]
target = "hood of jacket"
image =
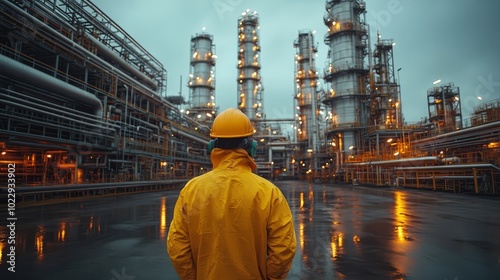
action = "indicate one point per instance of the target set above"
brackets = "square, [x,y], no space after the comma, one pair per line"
[232,159]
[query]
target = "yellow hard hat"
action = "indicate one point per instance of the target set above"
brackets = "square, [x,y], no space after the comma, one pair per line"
[231,123]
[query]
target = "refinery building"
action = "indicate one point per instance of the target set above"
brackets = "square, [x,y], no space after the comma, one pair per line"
[84,109]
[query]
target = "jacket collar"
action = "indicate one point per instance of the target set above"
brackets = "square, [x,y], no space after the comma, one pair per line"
[231,158]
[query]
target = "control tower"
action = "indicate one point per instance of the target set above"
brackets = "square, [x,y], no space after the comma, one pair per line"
[202,79]
[346,72]
[249,80]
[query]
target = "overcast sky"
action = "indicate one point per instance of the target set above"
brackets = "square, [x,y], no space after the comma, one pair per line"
[455,41]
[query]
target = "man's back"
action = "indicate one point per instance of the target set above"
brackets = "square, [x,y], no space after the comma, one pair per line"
[232,224]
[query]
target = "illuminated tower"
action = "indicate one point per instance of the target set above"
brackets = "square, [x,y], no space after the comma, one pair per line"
[444,107]
[249,81]
[201,78]
[306,77]
[385,105]
[346,72]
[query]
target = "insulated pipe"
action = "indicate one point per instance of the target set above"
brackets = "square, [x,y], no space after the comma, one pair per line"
[56,113]
[42,106]
[83,52]
[17,71]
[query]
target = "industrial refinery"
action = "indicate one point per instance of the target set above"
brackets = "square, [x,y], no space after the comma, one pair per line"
[84,109]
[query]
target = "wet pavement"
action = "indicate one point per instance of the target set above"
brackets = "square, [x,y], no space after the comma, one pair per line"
[343,232]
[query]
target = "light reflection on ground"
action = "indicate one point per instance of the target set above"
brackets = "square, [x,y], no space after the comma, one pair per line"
[343,232]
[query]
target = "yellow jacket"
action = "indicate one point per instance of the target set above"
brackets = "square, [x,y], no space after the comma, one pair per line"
[231,224]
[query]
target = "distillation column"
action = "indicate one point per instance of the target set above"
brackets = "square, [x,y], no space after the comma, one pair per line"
[346,72]
[306,77]
[385,106]
[201,78]
[249,80]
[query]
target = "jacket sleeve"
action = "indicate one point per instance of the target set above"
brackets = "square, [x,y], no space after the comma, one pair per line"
[281,244]
[178,244]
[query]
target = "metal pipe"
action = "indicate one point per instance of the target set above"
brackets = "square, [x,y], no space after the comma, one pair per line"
[457,132]
[396,161]
[200,140]
[79,118]
[74,46]
[451,166]
[106,23]
[157,128]
[450,159]
[44,111]
[52,12]
[18,71]
[39,145]
[65,165]
[113,56]
[160,138]
[126,124]
[337,162]
[476,188]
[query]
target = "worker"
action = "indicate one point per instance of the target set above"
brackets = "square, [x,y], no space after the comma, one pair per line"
[230,223]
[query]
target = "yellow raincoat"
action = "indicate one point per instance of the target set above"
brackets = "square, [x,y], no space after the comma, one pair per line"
[231,224]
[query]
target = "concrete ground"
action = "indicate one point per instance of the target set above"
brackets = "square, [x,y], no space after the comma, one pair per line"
[343,232]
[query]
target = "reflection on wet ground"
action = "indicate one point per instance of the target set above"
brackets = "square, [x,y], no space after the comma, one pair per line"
[343,232]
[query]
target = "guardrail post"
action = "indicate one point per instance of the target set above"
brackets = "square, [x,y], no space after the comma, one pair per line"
[476,187]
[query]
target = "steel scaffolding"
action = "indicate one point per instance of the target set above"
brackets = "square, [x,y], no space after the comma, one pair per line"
[82,101]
